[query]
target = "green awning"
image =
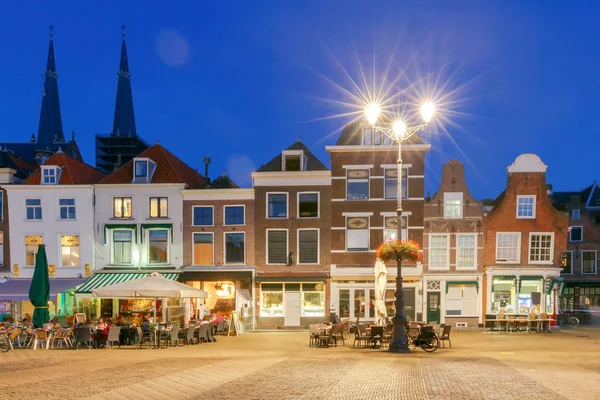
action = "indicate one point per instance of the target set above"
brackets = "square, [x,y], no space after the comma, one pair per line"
[503,287]
[119,226]
[100,280]
[529,278]
[463,283]
[558,282]
[157,226]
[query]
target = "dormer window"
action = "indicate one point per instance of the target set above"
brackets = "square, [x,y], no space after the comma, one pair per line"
[50,175]
[143,168]
[293,160]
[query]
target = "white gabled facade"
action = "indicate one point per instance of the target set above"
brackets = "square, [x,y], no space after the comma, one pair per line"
[68,238]
[117,249]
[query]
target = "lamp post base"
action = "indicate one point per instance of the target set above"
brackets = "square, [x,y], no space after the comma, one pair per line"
[399,340]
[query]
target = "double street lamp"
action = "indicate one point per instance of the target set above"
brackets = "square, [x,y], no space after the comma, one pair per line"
[399,131]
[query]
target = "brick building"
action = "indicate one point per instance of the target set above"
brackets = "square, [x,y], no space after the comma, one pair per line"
[453,252]
[292,225]
[524,239]
[581,292]
[364,180]
[218,247]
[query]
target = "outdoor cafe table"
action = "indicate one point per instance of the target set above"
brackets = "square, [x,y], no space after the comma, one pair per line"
[158,334]
[539,323]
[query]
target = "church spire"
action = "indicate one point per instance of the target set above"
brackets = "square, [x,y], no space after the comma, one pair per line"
[50,119]
[124,122]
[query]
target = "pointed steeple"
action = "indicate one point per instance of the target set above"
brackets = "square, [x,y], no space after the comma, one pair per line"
[124,122]
[50,118]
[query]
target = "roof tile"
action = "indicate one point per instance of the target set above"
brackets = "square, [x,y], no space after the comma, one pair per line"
[169,169]
[74,172]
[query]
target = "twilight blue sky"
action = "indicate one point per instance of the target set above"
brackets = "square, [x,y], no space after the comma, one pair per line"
[237,80]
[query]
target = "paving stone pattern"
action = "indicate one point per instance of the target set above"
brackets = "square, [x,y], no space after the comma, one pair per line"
[479,378]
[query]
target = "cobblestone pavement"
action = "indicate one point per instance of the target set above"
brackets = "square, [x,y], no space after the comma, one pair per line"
[564,365]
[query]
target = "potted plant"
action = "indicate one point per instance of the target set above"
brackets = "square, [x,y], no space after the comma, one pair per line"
[405,249]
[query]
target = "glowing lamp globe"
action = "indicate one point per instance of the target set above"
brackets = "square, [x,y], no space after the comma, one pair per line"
[427,111]
[372,113]
[399,128]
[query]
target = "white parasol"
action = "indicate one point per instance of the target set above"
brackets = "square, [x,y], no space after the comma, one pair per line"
[380,283]
[153,286]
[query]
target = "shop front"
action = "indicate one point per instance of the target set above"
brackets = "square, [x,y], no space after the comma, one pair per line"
[521,291]
[582,300]
[14,297]
[229,289]
[356,298]
[453,299]
[288,302]
[171,310]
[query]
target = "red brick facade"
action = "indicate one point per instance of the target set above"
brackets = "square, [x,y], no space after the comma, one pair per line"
[461,227]
[529,226]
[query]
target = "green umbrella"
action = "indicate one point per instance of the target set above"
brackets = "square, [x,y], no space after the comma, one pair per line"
[39,292]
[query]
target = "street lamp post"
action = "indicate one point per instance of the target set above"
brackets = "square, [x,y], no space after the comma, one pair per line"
[399,132]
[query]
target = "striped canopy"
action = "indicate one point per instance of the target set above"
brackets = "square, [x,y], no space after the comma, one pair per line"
[98,281]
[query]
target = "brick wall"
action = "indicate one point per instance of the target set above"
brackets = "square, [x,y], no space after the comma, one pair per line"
[292,224]
[503,218]
[218,229]
[453,181]
[377,203]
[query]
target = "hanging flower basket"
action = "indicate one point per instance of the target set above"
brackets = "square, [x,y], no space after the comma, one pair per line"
[407,250]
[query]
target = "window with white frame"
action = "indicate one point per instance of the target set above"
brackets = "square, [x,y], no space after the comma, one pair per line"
[541,246]
[1,205]
[141,168]
[66,208]
[357,184]
[308,205]
[576,214]
[234,215]
[202,216]
[308,246]
[234,247]
[34,209]
[122,246]
[69,248]
[271,300]
[466,251]
[277,243]
[576,233]
[461,300]
[357,233]
[526,206]
[367,136]
[588,261]
[159,207]
[566,263]
[31,249]
[1,248]
[293,160]
[453,205]
[158,246]
[203,249]
[390,228]
[439,249]
[507,247]
[277,205]
[122,207]
[50,175]
[391,183]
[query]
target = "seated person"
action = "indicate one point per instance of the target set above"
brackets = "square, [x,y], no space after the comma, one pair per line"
[205,320]
[146,325]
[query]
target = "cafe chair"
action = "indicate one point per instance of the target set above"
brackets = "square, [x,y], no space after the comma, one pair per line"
[445,336]
[114,334]
[83,335]
[360,335]
[41,338]
[190,335]
[144,336]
